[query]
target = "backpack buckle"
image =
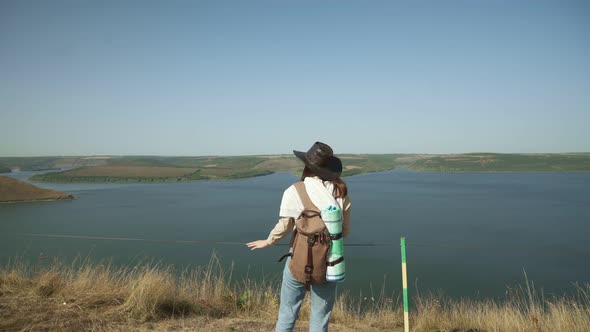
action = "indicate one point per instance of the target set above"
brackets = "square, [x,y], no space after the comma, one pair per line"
[311,240]
[308,269]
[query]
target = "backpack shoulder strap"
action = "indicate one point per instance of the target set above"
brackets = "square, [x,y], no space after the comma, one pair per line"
[307,203]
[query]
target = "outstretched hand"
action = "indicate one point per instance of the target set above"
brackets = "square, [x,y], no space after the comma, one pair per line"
[257,244]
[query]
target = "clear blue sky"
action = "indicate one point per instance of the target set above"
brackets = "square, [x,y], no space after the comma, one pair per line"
[262,77]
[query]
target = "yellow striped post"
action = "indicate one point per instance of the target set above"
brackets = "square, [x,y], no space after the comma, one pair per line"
[405,284]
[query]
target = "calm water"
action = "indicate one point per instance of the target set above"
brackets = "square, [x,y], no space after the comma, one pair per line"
[470,234]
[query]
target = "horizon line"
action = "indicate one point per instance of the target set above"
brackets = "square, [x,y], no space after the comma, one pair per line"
[288,154]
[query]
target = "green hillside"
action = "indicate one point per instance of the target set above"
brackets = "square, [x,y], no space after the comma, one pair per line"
[493,162]
[173,169]
[160,169]
[51,163]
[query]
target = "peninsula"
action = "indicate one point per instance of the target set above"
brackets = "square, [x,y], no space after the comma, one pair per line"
[13,190]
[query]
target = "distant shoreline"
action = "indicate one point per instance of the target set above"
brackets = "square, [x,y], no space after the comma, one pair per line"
[156,169]
[56,178]
[493,172]
[39,200]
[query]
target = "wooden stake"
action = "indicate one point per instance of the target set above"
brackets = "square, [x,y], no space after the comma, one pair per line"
[405,284]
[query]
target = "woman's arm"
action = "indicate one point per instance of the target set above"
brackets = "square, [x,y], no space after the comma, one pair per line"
[283,227]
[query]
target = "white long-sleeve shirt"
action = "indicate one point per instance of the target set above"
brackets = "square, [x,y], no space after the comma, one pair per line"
[320,193]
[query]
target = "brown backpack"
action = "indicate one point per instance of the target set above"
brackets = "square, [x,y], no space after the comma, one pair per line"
[310,243]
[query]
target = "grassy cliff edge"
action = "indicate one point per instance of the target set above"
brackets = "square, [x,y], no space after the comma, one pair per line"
[101,297]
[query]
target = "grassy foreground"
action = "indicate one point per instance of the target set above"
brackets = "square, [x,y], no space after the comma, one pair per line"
[101,297]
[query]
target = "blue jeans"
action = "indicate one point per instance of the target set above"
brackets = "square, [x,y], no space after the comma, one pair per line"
[292,294]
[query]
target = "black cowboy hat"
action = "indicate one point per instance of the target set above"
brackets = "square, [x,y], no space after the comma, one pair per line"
[321,161]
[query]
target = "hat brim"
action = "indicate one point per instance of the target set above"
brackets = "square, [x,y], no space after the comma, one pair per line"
[300,155]
[331,170]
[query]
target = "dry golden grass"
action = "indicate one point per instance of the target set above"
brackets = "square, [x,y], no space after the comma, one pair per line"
[100,297]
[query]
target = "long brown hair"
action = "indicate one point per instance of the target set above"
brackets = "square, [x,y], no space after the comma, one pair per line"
[340,188]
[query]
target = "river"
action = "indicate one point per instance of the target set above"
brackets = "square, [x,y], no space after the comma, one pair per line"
[469,234]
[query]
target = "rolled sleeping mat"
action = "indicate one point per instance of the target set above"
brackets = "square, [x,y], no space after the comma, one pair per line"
[332,217]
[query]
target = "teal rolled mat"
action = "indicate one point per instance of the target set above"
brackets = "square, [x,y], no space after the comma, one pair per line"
[332,217]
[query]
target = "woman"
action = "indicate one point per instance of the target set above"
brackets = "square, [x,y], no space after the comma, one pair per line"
[321,176]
